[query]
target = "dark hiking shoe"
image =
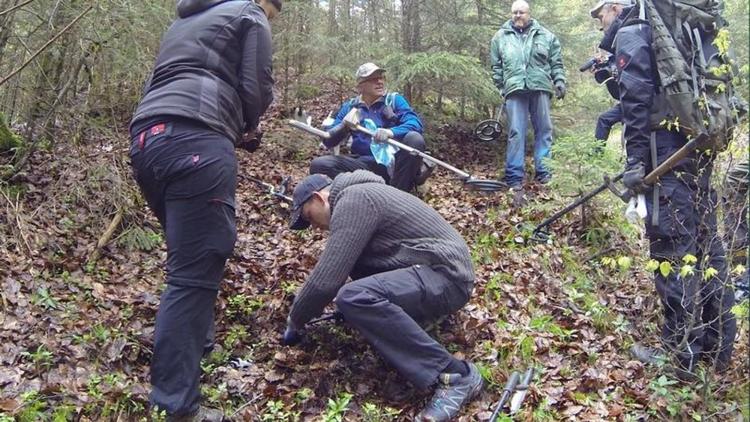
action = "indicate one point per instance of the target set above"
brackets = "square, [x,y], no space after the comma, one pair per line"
[543,179]
[425,171]
[647,355]
[453,391]
[203,414]
[651,356]
[742,287]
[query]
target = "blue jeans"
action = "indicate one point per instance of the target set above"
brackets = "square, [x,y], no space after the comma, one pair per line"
[520,107]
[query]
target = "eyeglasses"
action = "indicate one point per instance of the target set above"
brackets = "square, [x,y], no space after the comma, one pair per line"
[519,12]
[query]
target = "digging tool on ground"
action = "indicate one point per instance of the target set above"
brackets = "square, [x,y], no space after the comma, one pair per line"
[335,316]
[541,235]
[510,386]
[352,121]
[521,390]
[275,191]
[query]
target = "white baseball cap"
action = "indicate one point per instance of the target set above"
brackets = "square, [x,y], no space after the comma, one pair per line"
[595,11]
[367,70]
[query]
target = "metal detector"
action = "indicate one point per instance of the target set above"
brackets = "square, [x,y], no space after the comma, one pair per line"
[275,191]
[484,185]
[488,130]
[541,234]
[352,121]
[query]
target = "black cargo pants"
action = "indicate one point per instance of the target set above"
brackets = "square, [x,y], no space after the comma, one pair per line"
[389,308]
[187,174]
[698,322]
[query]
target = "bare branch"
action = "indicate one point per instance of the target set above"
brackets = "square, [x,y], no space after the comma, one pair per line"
[44,47]
[18,6]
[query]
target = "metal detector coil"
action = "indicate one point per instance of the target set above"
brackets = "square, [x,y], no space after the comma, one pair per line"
[488,130]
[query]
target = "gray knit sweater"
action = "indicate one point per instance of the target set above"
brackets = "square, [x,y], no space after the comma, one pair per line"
[377,228]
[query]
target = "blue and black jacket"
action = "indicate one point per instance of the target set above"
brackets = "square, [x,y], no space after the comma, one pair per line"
[391,111]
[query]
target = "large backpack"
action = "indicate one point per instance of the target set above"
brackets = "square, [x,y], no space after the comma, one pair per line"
[694,68]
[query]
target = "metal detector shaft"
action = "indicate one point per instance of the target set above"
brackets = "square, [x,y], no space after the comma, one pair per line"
[271,189]
[309,129]
[510,385]
[397,144]
[577,203]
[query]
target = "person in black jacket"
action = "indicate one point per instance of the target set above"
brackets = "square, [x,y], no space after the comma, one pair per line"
[210,85]
[698,322]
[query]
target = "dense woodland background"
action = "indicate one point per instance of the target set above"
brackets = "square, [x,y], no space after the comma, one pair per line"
[80,255]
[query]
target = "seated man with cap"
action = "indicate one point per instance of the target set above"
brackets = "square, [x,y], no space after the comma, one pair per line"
[390,116]
[409,268]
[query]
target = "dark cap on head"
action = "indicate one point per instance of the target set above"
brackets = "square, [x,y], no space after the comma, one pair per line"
[302,193]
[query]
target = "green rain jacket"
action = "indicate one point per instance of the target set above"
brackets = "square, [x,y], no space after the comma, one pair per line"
[528,61]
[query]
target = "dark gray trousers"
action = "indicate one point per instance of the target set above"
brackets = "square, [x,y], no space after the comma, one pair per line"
[698,322]
[187,174]
[405,171]
[388,308]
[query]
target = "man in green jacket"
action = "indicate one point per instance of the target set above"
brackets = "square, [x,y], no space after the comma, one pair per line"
[527,68]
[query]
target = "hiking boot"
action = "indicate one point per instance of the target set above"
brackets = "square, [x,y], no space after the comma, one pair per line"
[742,287]
[453,391]
[543,179]
[425,171]
[647,355]
[651,356]
[203,414]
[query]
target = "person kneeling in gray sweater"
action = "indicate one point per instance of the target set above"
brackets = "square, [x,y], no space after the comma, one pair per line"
[409,267]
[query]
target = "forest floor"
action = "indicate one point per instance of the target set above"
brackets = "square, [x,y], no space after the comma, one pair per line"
[76,336]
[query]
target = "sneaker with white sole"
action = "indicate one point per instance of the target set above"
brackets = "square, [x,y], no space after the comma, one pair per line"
[452,393]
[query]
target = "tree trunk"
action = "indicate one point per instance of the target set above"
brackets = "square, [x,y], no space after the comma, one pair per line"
[410,34]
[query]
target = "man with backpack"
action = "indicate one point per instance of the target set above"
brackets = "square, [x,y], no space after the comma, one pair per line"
[409,268]
[681,224]
[527,69]
[209,87]
[390,116]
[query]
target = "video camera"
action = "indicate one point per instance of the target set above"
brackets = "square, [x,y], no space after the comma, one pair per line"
[595,62]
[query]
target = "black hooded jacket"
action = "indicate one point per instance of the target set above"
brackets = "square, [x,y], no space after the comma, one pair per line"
[214,66]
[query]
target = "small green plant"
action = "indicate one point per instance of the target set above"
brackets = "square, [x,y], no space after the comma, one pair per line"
[237,335]
[276,412]
[374,413]
[215,394]
[544,323]
[33,407]
[302,394]
[336,408]
[675,397]
[41,358]
[140,238]
[43,298]
[242,305]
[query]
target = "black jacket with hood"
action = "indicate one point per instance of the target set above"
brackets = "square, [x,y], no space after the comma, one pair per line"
[214,66]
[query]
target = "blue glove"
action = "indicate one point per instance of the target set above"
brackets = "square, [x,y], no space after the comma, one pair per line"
[292,334]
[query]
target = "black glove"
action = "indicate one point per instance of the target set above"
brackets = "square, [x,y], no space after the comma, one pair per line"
[633,176]
[250,141]
[292,334]
[560,90]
